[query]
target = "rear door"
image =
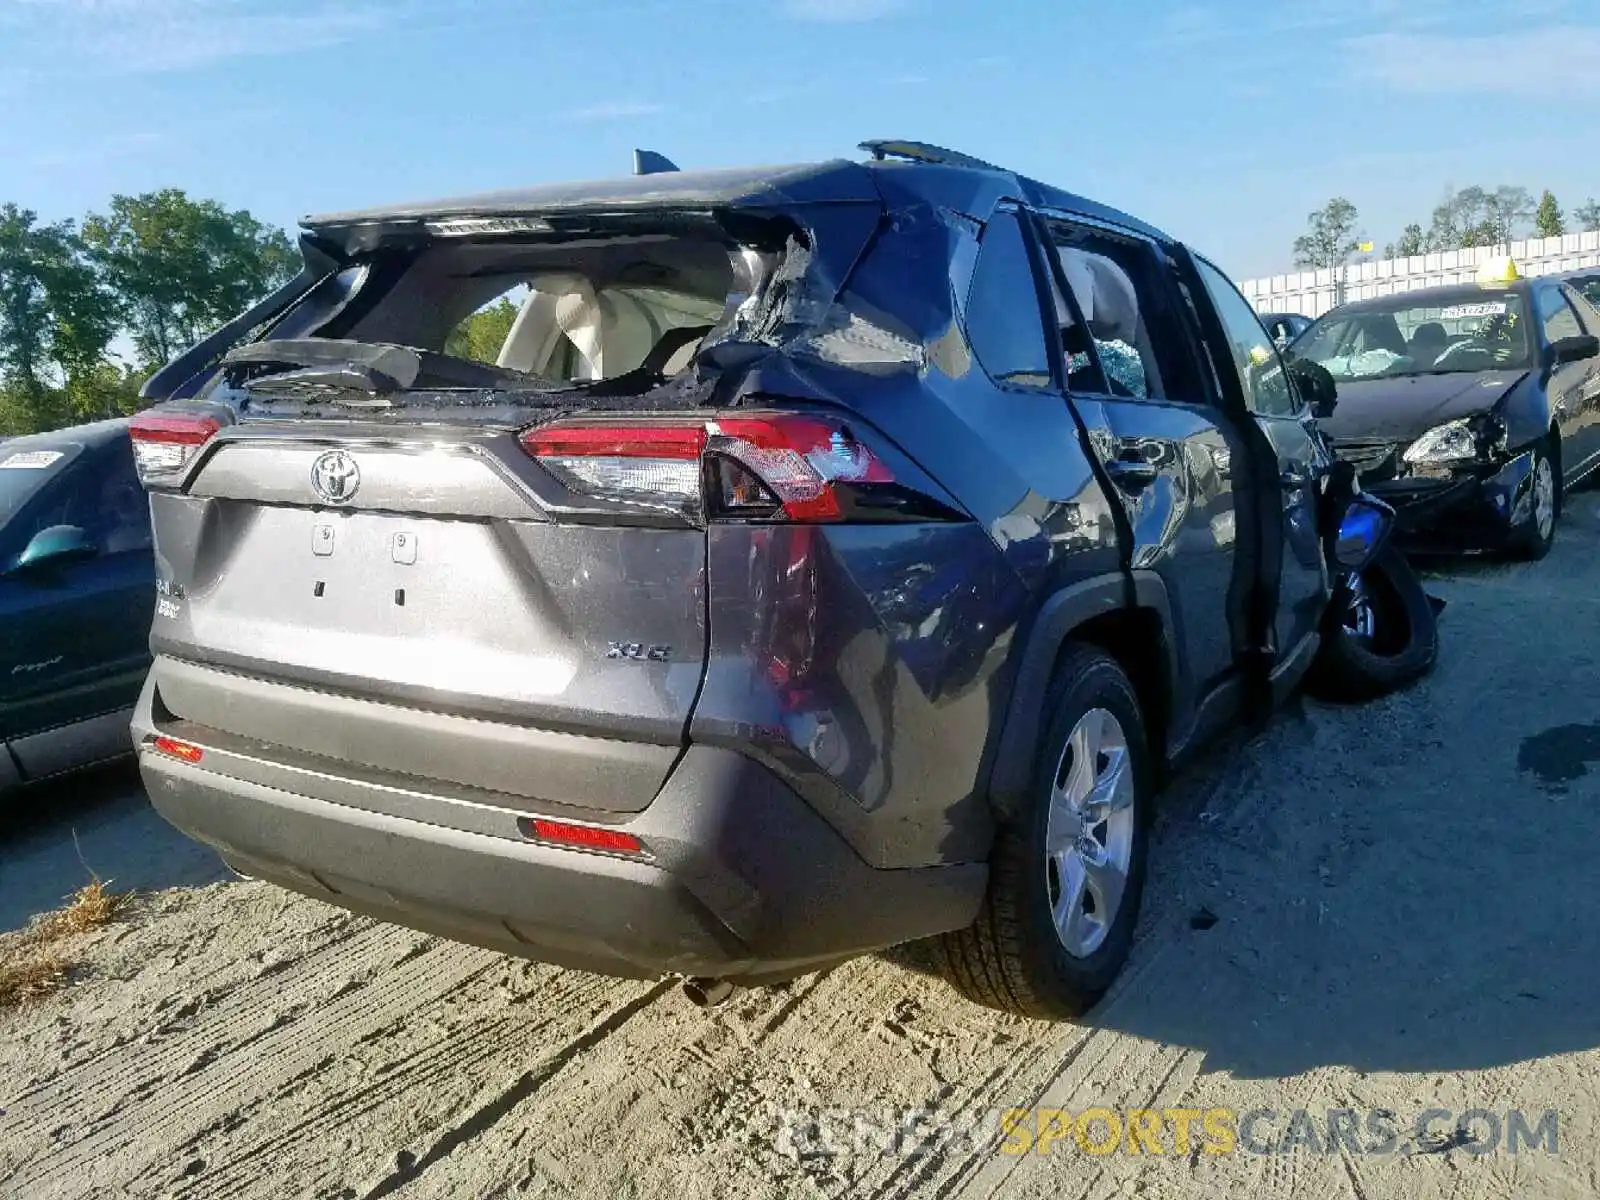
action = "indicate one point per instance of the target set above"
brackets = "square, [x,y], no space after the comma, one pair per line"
[74,639]
[1167,451]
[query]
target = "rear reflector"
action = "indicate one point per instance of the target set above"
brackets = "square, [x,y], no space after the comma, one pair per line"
[762,464]
[165,443]
[173,748]
[582,837]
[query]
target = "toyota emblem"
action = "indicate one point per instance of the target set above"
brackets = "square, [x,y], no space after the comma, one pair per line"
[335,476]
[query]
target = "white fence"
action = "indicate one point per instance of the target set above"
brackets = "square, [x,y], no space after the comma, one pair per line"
[1315,292]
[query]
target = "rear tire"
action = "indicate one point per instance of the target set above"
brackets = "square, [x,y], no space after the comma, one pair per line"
[1388,639]
[1057,922]
[1536,533]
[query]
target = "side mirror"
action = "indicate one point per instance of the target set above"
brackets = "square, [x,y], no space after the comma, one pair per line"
[1316,384]
[1574,349]
[1362,532]
[54,547]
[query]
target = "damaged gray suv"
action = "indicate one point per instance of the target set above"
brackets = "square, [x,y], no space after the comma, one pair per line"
[724,574]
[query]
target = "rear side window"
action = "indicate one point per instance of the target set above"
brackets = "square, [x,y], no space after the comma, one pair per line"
[27,467]
[1585,311]
[121,510]
[66,492]
[1119,290]
[1004,326]
[1556,315]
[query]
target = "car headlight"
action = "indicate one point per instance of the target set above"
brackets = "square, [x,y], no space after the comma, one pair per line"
[1454,441]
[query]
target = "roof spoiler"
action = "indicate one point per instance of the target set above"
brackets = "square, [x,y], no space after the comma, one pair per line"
[924,152]
[648,162]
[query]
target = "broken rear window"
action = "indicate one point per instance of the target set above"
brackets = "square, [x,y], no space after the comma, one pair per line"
[557,313]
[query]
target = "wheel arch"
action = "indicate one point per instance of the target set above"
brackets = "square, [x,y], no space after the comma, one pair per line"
[1131,620]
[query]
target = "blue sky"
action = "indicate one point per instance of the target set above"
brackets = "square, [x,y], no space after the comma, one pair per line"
[1222,122]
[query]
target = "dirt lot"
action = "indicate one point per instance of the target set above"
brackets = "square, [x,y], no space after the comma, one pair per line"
[1381,908]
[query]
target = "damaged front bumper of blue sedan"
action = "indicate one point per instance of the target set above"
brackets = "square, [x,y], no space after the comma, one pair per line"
[1470,508]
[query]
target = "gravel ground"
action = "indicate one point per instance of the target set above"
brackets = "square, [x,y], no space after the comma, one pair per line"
[1384,908]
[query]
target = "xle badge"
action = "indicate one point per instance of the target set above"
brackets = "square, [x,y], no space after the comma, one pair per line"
[638,651]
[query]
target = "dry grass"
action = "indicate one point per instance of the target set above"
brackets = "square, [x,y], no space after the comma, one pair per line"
[34,962]
[90,907]
[29,974]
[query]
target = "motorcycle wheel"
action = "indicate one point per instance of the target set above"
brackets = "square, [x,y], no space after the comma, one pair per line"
[1386,637]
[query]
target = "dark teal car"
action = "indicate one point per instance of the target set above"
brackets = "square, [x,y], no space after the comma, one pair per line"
[77,586]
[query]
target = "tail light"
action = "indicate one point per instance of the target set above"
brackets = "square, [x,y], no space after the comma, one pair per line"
[164,444]
[580,837]
[750,465]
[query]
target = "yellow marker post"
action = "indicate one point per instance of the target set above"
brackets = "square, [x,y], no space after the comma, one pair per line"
[1498,271]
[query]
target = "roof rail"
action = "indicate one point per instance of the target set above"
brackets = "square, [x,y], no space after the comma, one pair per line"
[923,152]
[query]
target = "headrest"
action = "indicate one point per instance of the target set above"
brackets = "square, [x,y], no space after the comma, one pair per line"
[1105,293]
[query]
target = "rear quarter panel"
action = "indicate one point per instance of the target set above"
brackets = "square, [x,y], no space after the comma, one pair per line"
[862,663]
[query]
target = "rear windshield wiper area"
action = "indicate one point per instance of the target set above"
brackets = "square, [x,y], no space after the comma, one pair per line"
[364,374]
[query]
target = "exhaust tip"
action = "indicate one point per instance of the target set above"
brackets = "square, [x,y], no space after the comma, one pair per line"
[707,993]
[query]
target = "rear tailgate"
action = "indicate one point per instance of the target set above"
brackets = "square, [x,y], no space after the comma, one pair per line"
[438,625]
[361,563]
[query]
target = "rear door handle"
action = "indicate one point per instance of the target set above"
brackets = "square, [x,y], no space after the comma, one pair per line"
[1131,474]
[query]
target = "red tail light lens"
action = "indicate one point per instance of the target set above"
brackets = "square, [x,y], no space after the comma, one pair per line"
[581,837]
[799,458]
[173,748]
[164,444]
[760,464]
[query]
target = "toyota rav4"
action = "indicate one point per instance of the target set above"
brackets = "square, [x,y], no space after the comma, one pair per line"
[724,574]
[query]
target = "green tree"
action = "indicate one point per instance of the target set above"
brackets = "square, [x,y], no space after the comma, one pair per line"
[180,267]
[1475,216]
[1548,221]
[1587,215]
[56,323]
[1330,236]
[1505,210]
[1412,242]
[25,250]
[481,335]
[1445,225]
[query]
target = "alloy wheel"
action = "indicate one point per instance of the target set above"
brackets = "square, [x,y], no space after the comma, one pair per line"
[1089,832]
[1361,615]
[1544,498]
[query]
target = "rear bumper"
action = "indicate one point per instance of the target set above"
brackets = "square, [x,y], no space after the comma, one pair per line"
[742,879]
